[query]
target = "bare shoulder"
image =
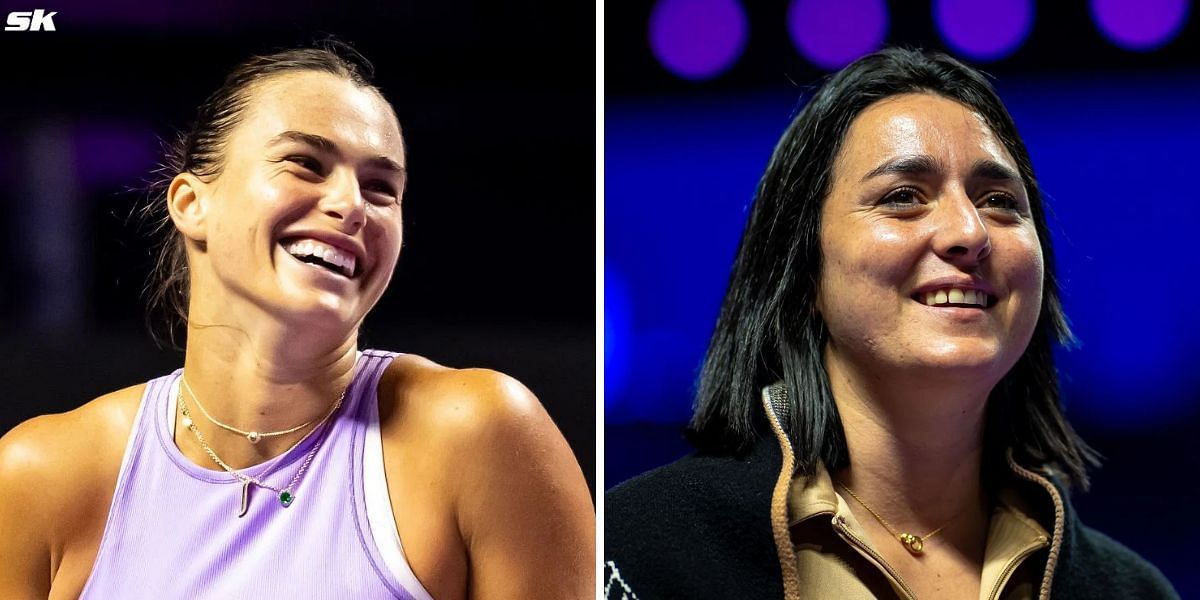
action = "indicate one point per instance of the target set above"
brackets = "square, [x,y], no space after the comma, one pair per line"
[71,445]
[485,430]
[464,406]
[47,464]
[519,499]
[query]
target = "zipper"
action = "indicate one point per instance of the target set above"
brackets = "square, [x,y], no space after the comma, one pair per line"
[839,523]
[779,526]
[1010,567]
[1059,512]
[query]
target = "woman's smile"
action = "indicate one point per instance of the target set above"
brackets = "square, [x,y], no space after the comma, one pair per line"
[315,253]
[310,267]
[340,255]
[957,300]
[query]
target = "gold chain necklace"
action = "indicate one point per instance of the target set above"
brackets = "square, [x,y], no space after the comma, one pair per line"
[915,544]
[286,495]
[253,436]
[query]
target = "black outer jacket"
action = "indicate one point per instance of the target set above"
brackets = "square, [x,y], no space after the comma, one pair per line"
[701,528]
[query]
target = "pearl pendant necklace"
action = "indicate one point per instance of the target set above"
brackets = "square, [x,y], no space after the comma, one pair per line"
[253,436]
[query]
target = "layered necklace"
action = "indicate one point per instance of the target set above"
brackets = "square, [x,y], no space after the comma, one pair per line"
[915,544]
[287,494]
[253,436]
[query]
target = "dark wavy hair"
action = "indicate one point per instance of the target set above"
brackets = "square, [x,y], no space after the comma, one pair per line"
[200,150]
[769,330]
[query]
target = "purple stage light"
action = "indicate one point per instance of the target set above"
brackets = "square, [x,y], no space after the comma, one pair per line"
[697,39]
[114,153]
[832,34]
[1140,24]
[983,30]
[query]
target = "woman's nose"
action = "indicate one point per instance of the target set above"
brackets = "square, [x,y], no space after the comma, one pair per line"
[344,202]
[962,237]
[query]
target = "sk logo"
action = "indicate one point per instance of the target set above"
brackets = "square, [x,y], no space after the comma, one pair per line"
[38,20]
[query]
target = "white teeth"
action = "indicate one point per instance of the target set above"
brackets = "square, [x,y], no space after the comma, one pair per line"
[343,260]
[956,296]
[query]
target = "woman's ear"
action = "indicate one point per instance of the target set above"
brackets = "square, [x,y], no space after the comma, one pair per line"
[187,201]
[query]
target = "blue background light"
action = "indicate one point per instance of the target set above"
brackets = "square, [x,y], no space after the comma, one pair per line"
[616,340]
[983,30]
[679,178]
[832,34]
[1140,24]
[697,39]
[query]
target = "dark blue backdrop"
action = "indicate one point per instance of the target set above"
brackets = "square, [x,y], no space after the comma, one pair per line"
[1115,160]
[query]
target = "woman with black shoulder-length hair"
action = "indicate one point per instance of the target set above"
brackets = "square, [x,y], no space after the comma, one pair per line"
[281,460]
[878,413]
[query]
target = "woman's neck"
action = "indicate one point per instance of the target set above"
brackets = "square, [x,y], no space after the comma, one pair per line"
[263,378]
[915,444]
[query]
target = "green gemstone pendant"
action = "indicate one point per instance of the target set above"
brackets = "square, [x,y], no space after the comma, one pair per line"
[285,498]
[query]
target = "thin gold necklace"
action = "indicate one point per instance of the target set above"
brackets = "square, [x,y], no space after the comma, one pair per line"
[253,436]
[287,494]
[915,544]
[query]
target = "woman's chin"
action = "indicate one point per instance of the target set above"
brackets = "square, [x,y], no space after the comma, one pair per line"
[317,309]
[968,356]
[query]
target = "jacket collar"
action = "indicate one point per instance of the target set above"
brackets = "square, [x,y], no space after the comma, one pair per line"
[778,409]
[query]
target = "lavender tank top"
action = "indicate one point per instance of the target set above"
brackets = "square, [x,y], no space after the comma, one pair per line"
[173,529]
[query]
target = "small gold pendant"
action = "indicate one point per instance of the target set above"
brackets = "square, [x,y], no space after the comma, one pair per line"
[245,499]
[914,543]
[253,436]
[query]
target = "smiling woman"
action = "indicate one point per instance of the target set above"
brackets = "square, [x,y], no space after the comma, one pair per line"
[281,460]
[926,200]
[878,411]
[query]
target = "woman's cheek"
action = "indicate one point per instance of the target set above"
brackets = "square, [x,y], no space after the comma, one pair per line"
[886,249]
[1026,272]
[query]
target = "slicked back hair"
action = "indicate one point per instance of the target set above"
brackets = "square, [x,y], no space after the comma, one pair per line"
[769,329]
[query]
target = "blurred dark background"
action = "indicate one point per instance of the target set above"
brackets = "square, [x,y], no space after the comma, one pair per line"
[1105,94]
[497,101]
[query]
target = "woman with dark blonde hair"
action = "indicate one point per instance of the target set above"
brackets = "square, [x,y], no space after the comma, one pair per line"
[281,461]
[878,412]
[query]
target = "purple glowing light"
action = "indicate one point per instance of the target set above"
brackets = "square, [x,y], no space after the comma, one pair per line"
[1140,24]
[113,153]
[983,30]
[832,34]
[697,39]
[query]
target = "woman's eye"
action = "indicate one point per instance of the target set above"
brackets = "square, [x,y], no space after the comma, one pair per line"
[307,162]
[381,187]
[902,198]
[1003,202]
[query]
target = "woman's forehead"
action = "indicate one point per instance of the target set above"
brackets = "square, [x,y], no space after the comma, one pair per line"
[919,124]
[324,105]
